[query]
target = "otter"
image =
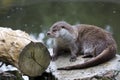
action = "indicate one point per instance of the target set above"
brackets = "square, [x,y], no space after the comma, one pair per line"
[82,38]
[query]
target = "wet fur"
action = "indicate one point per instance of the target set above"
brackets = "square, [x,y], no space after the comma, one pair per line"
[63,39]
[90,40]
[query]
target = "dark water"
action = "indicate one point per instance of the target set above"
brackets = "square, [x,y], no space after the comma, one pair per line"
[36,17]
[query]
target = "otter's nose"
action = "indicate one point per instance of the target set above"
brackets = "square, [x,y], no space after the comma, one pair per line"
[48,33]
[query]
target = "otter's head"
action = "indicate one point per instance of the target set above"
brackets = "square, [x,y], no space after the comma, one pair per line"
[58,29]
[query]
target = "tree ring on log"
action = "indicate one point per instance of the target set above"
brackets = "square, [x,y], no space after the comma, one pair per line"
[34,59]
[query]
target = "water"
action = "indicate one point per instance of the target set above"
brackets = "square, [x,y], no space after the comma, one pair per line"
[36,17]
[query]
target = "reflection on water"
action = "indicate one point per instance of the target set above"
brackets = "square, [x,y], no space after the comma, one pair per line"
[36,18]
[108,28]
[39,38]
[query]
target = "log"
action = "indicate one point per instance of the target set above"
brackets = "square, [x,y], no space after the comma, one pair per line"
[17,48]
[106,71]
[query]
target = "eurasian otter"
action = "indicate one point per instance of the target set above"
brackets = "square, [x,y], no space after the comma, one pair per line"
[87,39]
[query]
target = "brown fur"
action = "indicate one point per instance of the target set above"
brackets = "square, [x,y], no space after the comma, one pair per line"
[88,39]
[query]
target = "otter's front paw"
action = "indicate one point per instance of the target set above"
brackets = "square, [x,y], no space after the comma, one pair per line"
[73,59]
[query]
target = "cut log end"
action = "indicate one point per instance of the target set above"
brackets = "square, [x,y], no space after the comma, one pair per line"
[34,59]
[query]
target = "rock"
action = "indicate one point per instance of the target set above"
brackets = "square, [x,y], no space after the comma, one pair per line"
[44,76]
[106,71]
[11,75]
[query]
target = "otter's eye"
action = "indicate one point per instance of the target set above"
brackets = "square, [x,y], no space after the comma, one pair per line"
[63,27]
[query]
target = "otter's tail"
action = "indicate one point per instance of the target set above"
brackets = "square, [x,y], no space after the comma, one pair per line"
[105,56]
